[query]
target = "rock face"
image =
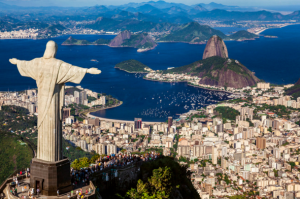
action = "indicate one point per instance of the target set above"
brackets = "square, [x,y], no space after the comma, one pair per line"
[294,90]
[220,72]
[119,39]
[215,47]
[230,73]
[229,78]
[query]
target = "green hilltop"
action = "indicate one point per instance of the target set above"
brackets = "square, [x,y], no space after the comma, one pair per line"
[243,35]
[208,65]
[132,66]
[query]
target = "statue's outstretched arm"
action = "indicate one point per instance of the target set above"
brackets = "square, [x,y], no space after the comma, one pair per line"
[13,61]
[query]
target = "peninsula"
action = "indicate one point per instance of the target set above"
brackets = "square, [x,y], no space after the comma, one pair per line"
[133,66]
[215,70]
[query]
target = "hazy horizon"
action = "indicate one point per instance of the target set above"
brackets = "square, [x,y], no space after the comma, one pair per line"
[82,3]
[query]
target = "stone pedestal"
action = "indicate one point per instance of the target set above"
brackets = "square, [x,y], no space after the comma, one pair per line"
[50,176]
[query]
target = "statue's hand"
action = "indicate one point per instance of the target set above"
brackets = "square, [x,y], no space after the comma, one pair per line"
[13,61]
[93,71]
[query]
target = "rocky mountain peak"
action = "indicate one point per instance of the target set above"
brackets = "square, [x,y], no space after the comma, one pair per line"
[119,39]
[215,47]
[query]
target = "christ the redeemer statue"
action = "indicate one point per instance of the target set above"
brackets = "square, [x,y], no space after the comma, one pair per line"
[51,75]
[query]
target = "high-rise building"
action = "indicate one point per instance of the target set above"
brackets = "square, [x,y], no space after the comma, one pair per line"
[66,113]
[208,188]
[170,122]
[31,92]
[224,163]
[111,149]
[137,123]
[277,153]
[184,150]
[69,120]
[214,155]
[82,144]
[198,149]
[98,130]
[224,151]
[100,149]
[82,97]
[31,108]
[261,143]
[76,97]
[219,127]
[103,100]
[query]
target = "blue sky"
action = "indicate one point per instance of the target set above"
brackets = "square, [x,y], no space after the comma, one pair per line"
[75,3]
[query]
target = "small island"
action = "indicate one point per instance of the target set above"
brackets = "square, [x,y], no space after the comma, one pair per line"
[133,66]
[243,35]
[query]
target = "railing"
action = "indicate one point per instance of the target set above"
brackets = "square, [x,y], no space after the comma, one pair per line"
[3,185]
[8,194]
[9,179]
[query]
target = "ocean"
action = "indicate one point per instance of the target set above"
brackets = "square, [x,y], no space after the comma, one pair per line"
[274,60]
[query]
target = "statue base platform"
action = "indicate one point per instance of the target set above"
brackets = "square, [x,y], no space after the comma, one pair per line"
[50,176]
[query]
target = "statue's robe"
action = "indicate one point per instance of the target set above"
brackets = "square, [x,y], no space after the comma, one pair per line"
[50,75]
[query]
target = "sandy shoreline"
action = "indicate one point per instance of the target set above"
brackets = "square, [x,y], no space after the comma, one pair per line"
[218,90]
[264,29]
[121,121]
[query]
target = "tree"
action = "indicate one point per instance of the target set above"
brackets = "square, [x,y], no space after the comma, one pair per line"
[94,158]
[84,162]
[75,164]
[158,186]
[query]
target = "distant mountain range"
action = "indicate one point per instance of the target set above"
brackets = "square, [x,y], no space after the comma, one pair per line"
[169,19]
[194,33]
[152,11]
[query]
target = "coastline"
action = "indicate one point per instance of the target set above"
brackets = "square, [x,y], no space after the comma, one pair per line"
[89,113]
[139,50]
[196,43]
[285,25]
[190,85]
[121,121]
[84,44]
[131,72]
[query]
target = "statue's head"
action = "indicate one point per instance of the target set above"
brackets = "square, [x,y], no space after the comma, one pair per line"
[51,49]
